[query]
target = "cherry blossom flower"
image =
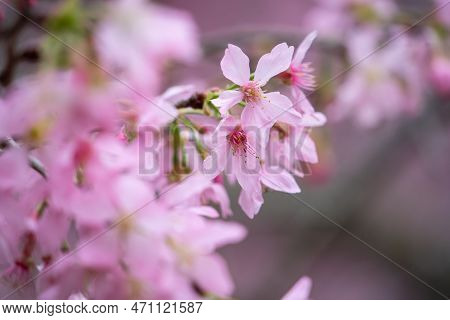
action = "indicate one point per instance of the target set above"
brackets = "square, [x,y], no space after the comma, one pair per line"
[182,246]
[300,74]
[75,196]
[39,113]
[300,77]
[394,71]
[261,109]
[238,151]
[334,19]
[130,49]
[291,147]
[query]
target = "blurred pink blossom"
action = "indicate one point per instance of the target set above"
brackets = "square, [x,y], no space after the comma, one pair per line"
[394,71]
[136,39]
[440,74]
[334,19]
[444,13]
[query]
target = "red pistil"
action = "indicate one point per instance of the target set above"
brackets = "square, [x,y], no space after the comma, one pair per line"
[238,140]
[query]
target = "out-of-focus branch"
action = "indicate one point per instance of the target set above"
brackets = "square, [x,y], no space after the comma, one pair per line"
[10,36]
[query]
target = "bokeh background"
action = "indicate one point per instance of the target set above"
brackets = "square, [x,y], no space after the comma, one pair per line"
[389,185]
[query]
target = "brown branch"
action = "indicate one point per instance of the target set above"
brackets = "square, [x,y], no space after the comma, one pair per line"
[10,35]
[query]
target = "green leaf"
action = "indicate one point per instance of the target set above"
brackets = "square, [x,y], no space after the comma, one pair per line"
[68,28]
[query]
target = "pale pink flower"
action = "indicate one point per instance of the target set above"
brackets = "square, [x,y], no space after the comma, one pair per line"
[334,19]
[238,151]
[216,193]
[161,110]
[39,114]
[15,171]
[278,179]
[144,118]
[261,109]
[130,47]
[182,193]
[182,258]
[32,231]
[394,71]
[198,238]
[55,284]
[291,147]
[180,241]
[197,192]
[241,153]
[88,175]
[300,77]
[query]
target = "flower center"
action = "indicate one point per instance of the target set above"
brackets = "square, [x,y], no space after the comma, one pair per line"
[252,92]
[238,141]
[300,76]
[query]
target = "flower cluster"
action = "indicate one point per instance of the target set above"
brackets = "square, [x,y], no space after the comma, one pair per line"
[384,57]
[83,212]
[395,72]
[263,136]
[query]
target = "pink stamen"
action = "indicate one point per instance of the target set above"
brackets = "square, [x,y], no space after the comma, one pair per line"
[300,76]
[238,141]
[252,92]
[239,144]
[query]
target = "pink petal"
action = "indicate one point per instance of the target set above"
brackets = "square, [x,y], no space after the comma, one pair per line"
[227,100]
[273,63]
[216,161]
[52,229]
[307,151]
[279,180]
[303,48]
[247,170]
[253,116]
[315,119]
[103,253]
[250,203]
[212,275]
[225,126]
[218,194]
[279,108]
[257,140]
[132,193]
[184,190]
[177,93]
[300,290]
[217,234]
[301,102]
[235,65]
